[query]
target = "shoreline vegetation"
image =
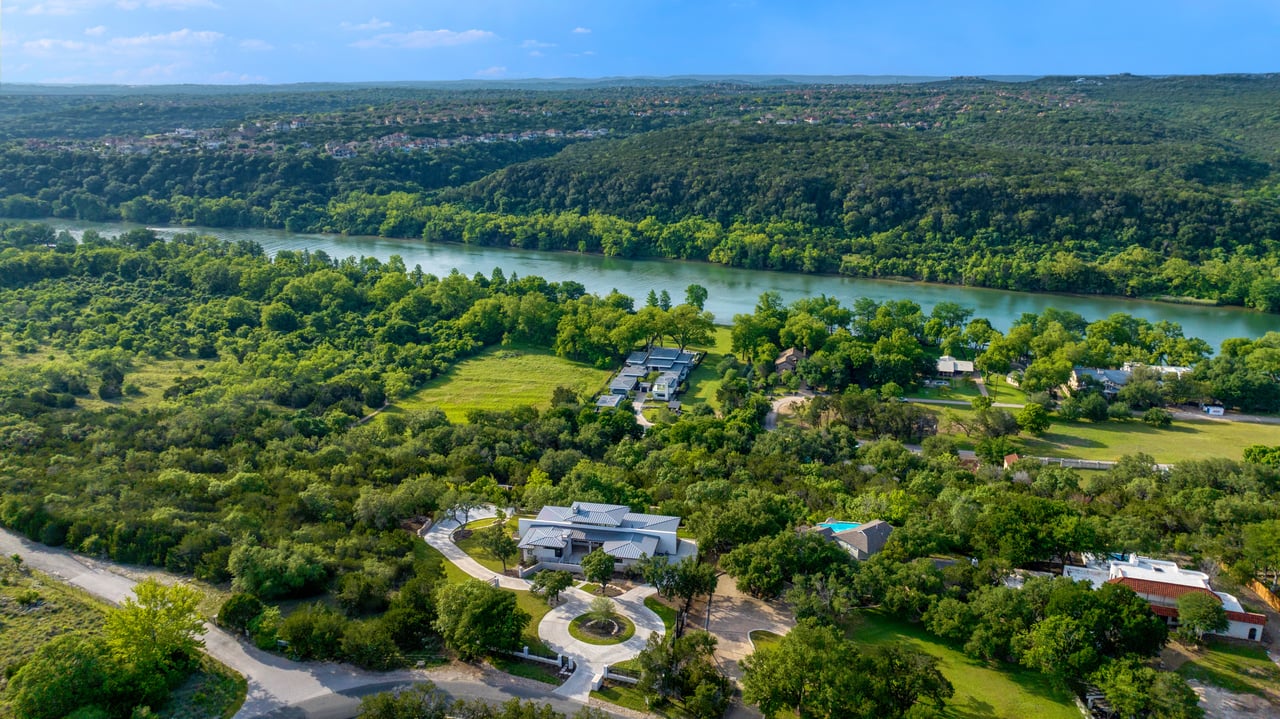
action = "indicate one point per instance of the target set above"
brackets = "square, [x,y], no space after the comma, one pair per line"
[902,279]
[1125,187]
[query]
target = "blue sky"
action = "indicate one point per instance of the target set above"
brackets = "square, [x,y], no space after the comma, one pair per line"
[236,41]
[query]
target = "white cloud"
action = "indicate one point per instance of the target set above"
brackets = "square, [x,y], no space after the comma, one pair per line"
[185,36]
[582,30]
[495,71]
[373,24]
[95,31]
[256,45]
[46,45]
[422,39]
[535,53]
[536,44]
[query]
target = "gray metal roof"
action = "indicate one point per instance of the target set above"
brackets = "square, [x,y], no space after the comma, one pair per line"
[633,547]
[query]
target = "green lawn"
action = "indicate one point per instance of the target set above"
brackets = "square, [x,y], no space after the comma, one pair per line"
[627,696]
[1000,391]
[1236,668]
[962,390]
[424,552]
[1183,441]
[471,545]
[667,614]
[515,666]
[703,380]
[980,690]
[501,378]
[537,608]
[761,638]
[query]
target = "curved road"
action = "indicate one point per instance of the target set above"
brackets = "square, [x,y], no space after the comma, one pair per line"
[280,688]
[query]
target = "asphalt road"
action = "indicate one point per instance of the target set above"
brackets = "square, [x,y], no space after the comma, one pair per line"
[280,688]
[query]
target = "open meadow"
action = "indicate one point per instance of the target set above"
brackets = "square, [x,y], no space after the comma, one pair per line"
[501,378]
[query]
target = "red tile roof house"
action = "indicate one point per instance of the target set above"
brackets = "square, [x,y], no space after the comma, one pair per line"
[1161,583]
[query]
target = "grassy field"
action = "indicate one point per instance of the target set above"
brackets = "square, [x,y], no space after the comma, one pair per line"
[501,378]
[980,690]
[962,390]
[544,673]
[151,377]
[34,609]
[1184,440]
[703,380]
[1236,668]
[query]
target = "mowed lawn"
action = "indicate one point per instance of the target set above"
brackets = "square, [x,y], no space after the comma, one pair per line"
[703,380]
[1184,440]
[980,690]
[501,378]
[1236,668]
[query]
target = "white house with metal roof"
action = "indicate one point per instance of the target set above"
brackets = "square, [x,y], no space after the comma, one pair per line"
[564,535]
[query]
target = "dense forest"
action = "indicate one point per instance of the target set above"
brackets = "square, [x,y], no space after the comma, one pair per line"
[263,463]
[1111,185]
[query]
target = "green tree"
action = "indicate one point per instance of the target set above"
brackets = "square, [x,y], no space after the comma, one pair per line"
[159,630]
[497,541]
[686,325]
[1198,613]
[552,583]
[1158,417]
[239,609]
[597,567]
[1136,690]
[683,670]
[68,672]
[815,672]
[1260,550]
[1033,419]
[474,617]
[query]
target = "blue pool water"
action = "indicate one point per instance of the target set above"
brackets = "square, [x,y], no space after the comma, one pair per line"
[838,527]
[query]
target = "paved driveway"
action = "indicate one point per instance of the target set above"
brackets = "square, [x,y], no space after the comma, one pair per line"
[734,616]
[440,535]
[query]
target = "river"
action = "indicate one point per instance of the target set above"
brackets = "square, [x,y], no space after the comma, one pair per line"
[731,290]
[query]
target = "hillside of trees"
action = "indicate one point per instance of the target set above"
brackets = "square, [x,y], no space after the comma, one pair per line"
[1115,185]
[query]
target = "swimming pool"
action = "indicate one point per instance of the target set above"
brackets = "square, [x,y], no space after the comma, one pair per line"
[838,527]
